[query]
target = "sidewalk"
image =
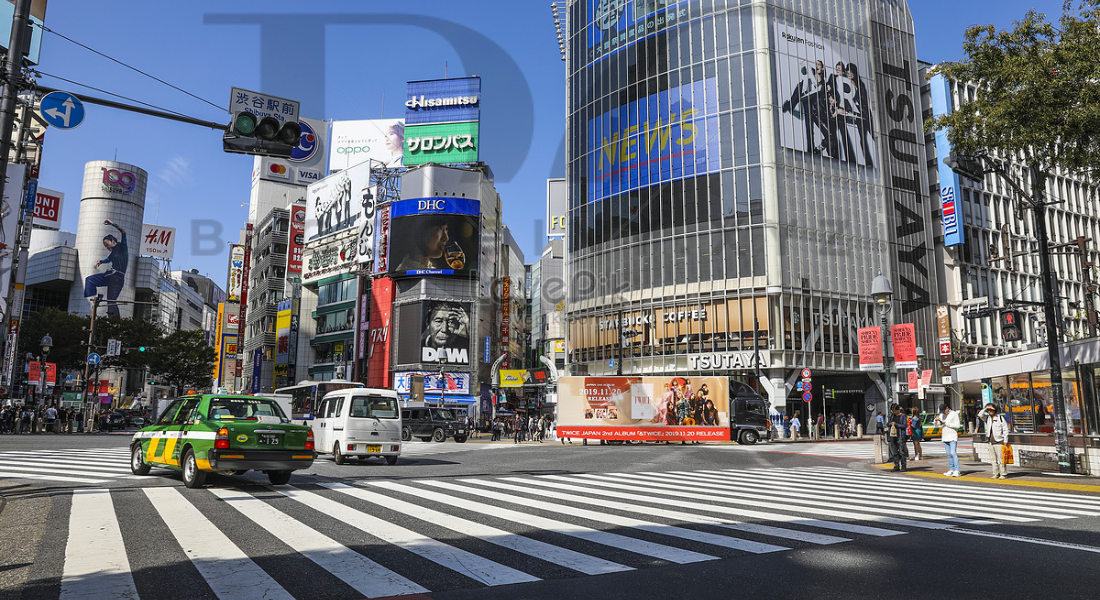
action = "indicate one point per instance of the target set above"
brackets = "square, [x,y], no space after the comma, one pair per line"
[979,472]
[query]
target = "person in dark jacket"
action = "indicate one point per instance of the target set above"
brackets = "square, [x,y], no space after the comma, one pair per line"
[895,436]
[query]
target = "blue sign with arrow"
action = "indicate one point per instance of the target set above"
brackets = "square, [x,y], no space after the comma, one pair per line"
[93,359]
[62,110]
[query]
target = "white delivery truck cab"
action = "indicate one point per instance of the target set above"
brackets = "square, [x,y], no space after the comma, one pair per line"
[360,422]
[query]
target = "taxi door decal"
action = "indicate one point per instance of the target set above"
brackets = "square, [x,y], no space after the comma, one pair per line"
[151,452]
[171,448]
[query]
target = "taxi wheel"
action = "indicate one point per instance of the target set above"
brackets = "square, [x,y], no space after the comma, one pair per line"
[137,461]
[391,460]
[439,436]
[192,476]
[279,477]
[338,456]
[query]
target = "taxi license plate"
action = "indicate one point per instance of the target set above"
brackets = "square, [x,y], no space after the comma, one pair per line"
[269,439]
[374,448]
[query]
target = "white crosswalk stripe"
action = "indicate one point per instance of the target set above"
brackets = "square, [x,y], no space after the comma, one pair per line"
[386,538]
[84,465]
[860,450]
[415,449]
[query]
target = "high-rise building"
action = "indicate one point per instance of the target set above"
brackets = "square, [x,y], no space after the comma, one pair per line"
[739,173]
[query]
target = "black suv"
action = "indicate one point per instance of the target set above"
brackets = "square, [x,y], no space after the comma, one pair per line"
[436,424]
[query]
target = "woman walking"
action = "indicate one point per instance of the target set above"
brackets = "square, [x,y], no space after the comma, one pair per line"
[917,433]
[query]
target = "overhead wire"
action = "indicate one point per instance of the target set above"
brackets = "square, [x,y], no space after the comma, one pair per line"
[161,108]
[128,66]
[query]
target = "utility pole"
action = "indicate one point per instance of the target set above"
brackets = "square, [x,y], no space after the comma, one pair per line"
[13,66]
[89,414]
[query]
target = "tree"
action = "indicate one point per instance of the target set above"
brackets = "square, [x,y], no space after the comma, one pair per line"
[134,334]
[182,359]
[69,333]
[1039,91]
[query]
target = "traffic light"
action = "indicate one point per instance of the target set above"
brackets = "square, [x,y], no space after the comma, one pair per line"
[141,348]
[265,136]
[1010,325]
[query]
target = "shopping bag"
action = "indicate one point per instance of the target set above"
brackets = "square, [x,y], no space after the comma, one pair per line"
[1006,454]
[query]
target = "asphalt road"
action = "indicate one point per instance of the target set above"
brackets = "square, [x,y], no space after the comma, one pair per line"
[480,520]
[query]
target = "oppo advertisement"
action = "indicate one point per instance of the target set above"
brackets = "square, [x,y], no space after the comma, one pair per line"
[653,140]
[644,408]
[355,142]
[825,97]
[444,333]
[434,236]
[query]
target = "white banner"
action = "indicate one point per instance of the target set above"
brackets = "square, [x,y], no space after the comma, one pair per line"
[158,241]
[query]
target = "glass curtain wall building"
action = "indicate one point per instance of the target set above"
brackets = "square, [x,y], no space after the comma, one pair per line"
[739,171]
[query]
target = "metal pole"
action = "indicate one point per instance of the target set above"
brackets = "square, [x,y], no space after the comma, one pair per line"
[13,64]
[1050,298]
[89,416]
[619,345]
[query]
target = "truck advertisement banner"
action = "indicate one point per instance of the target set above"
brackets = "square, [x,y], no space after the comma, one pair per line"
[644,408]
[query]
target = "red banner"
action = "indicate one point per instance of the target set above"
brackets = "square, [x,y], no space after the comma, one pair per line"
[870,349]
[34,372]
[914,381]
[51,374]
[670,434]
[378,342]
[904,338]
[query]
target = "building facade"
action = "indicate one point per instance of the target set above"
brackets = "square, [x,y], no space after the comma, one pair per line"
[739,172]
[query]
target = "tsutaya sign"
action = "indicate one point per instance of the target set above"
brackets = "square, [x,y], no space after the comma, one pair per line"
[728,360]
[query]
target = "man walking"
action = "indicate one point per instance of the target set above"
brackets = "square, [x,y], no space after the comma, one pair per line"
[895,435]
[996,434]
[948,420]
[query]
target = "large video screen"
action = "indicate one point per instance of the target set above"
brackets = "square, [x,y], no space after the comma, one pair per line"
[434,236]
[825,96]
[444,333]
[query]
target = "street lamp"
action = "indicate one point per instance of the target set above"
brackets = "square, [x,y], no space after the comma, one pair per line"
[442,381]
[46,343]
[976,168]
[883,294]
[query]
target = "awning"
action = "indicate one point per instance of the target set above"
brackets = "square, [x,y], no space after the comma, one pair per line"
[447,399]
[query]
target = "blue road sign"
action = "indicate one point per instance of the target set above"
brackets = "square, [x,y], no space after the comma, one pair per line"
[611,364]
[807,397]
[32,195]
[93,359]
[62,110]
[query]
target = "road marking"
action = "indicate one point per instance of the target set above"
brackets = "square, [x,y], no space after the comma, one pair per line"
[596,536]
[39,477]
[366,576]
[1070,487]
[471,565]
[583,563]
[95,555]
[682,514]
[1029,540]
[225,568]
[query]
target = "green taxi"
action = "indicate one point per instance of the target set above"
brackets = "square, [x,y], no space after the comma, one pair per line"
[216,433]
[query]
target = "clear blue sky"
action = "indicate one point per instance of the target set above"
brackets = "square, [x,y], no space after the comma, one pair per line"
[340,58]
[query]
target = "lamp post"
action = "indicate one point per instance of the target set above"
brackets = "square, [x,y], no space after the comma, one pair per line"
[976,168]
[442,381]
[46,343]
[883,294]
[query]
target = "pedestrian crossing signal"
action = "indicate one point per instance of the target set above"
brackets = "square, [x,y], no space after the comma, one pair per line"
[1010,325]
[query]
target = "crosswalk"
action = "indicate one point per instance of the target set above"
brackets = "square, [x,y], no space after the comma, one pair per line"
[91,466]
[394,537]
[853,450]
[415,449]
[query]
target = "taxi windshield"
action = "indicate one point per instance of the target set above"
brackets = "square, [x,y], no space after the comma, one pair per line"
[244,408]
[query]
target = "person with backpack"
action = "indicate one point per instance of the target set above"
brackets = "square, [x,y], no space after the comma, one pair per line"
[916,433]
[996,434]
[896,427]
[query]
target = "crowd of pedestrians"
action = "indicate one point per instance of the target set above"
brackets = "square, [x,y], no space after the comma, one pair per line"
[41,419]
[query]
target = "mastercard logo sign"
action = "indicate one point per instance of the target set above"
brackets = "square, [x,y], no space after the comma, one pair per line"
[278,170]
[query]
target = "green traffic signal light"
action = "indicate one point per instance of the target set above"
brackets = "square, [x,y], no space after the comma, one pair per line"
[141,348]
[244,123]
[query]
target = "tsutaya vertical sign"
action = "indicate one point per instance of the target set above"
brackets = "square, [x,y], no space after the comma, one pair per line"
[905,175]
[870,349]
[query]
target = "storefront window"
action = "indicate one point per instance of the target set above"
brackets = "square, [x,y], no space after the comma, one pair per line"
[1018,410]
[1071,391]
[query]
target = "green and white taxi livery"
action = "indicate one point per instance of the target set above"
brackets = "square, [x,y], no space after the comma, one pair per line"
[216,433]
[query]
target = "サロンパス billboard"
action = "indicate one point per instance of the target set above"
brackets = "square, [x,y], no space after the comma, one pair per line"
[443,143]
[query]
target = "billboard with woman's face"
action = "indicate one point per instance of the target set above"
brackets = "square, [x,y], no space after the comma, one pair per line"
[434,236]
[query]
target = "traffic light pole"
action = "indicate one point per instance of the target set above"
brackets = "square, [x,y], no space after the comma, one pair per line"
[13,64]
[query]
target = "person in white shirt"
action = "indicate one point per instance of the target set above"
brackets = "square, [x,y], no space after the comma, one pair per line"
[996,434]
[796,427]
[948,420]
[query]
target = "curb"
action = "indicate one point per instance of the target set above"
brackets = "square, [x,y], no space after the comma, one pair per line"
[1053,485]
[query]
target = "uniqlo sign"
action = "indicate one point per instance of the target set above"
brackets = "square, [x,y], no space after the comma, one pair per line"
[47,208]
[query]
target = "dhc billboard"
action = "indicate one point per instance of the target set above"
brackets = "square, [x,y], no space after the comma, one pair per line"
[949,180]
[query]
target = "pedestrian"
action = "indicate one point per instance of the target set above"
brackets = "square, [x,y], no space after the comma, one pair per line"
[896,429]
[520,424]
[948,420]
[996,434]
[917,433]
[786,427]
[51,420]
[796,427]
[880,422]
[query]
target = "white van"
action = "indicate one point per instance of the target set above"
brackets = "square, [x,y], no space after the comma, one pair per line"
[362,422]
